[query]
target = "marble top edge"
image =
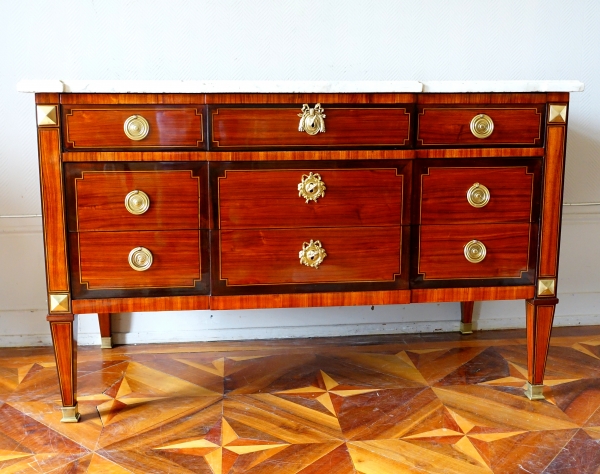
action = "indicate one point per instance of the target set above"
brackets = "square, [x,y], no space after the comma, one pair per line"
[157,87]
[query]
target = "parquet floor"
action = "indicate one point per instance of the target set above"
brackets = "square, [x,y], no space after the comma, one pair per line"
[375,405]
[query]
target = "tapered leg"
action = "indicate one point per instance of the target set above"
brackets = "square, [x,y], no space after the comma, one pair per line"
[64,339]
[466,317]
[540,314]
[105,330]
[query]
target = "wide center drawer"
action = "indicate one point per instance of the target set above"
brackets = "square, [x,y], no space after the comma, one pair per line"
[273,257]
[278,127]
[121,127]
[315,196]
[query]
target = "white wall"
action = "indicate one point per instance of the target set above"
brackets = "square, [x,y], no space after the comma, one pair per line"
[285,39]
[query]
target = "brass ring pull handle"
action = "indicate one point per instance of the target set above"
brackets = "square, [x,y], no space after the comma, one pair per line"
[136,127]
[478,195]
[312,121]
[137,202]
[311,187]
[475,251]
[312,254]
[140,259]
[482,126]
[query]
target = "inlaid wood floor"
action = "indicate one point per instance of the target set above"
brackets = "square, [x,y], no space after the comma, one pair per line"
[376,405]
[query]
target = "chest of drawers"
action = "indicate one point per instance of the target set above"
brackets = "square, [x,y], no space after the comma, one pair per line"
[235,200]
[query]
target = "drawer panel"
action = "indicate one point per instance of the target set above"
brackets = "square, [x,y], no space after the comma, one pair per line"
[441,253]
[101,260]
[451,126]
[277,127]
[103,198]
[103,127]
[272,256]
[271,198]
[477,194]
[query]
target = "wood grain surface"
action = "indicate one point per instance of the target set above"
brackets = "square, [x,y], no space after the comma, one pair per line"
[269,198]
[232,127]
[103,259]
[100,195]
[53,214]
[441,251]
[64,340]
[451,126]
[102,128]
[270,256]
[444,194]
[552,201]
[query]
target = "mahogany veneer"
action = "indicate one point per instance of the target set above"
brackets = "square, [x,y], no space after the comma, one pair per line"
[226,223]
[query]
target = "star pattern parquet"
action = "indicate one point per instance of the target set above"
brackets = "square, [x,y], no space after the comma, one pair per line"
[375,405]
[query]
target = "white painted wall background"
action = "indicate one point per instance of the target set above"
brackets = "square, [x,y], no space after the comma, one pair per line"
[292,40]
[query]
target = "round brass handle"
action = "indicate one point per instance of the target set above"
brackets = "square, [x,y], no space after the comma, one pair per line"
[137,202]
[136,127]
[478,195]
[140,259]
[311,187]
[312,254]
[312,121]
[475,251]
[482,126]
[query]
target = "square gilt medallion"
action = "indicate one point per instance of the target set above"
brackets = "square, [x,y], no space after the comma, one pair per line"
[546,287]
[47,116]
[557,114]
[59,303]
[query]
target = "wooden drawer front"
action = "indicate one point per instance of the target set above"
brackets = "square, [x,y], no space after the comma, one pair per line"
[452,126]
[270,198]
[103,259]
[103,128]
[444,195]
[278,128]
[100,200]
[271,257]
[441,251]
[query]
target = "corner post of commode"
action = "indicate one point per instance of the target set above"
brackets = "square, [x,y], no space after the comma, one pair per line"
[63,324]
[540,309]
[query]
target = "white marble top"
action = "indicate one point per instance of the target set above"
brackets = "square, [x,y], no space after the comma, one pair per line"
[156,87]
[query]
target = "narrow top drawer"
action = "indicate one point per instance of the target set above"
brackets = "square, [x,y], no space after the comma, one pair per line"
[480,126]
[121,127]
[308,197]
[333,127]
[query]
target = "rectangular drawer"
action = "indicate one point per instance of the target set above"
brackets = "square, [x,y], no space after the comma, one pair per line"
[272,198]
[136,196]
[101,260]
[277,127]
[272,256]
[478,194]
[441,253]
[451,126]
[103,127]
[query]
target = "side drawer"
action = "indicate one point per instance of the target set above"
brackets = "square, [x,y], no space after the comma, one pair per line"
[481,126]
[121,127]
[284,195]
[485,193]
[495,252]
[115,264]
[278,127]
[136,196]
[270,260]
